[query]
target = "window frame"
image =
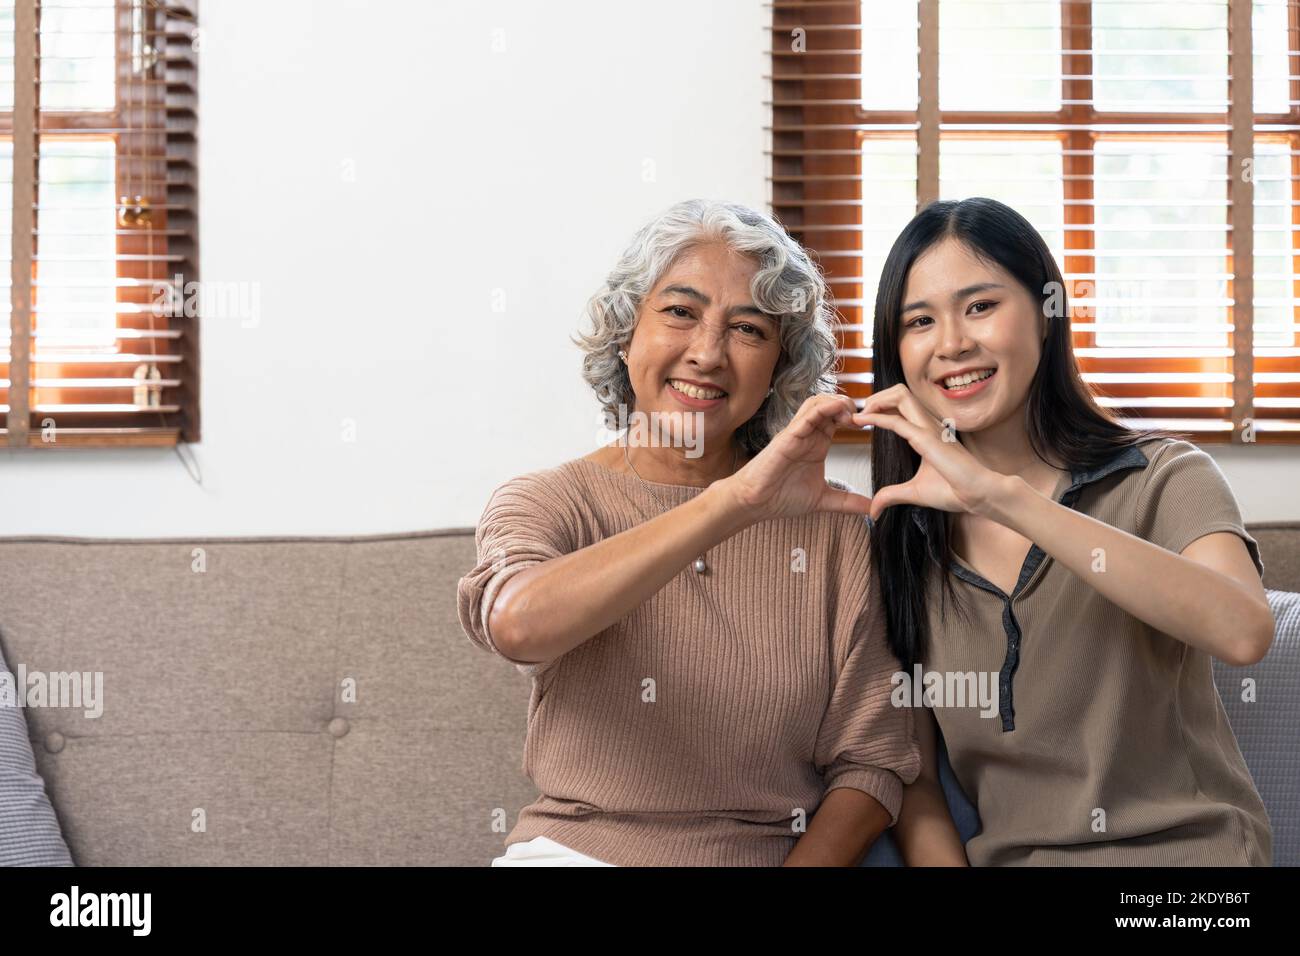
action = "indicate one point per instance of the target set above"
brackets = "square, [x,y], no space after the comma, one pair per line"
[153,124]
[815,106]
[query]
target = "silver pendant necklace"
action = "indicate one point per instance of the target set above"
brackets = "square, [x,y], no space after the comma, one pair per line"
[700,565]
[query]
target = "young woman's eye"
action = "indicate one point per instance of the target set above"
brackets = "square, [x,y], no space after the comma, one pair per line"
[986,305]
[917,322]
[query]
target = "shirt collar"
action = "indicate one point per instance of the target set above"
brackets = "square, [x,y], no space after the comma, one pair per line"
[1131,456]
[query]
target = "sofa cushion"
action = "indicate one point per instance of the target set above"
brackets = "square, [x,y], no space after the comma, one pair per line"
[1265,726]
[29,830]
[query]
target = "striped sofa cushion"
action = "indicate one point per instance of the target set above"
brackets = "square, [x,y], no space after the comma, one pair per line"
[29,830]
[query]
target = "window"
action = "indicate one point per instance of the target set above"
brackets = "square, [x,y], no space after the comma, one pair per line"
[1111,125]
[97,142]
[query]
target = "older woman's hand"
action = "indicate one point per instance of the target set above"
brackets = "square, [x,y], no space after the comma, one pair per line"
[788,477]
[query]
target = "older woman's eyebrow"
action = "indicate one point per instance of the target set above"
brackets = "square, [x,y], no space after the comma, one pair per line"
[956,296]
[696,294]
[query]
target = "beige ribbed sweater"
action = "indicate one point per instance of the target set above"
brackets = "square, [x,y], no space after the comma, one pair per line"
[706,726]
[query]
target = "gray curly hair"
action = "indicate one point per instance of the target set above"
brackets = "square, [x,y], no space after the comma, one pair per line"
[788,286]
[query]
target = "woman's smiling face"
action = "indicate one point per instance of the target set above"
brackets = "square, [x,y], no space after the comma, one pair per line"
[970,337]
[702,345]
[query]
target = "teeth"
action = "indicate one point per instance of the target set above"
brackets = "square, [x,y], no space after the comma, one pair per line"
[957,381]
[695,392]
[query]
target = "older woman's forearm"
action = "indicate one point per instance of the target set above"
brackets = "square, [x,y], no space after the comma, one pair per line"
[842,830]
[553,607]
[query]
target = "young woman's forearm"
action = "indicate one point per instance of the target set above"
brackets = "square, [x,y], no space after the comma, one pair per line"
[925,833]
[551,608]
[1183,598]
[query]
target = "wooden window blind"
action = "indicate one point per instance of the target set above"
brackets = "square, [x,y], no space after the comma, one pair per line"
[98,137]
[1154,143]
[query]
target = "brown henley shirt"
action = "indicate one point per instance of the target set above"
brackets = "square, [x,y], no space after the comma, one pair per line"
[1111,745]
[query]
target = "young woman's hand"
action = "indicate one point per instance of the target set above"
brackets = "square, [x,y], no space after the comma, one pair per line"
[949,477]
[788,477]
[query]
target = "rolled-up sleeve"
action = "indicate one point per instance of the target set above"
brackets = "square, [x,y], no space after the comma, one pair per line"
[864,741]
[526,522]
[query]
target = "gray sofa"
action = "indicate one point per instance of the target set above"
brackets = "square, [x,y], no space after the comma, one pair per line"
[313,701]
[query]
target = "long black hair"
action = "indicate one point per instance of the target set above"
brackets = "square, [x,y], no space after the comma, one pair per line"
[1061,416]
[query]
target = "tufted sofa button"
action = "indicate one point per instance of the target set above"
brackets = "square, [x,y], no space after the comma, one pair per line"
[339,726]
[54,741]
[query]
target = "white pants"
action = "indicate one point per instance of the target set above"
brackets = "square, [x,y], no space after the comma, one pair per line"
[541,851]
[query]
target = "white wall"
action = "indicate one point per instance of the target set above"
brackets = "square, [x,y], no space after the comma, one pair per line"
[382,173]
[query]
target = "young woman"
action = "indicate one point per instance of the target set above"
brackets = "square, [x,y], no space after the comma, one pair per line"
[1087,570]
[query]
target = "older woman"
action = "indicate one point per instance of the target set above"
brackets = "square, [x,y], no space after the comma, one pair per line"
[711,683]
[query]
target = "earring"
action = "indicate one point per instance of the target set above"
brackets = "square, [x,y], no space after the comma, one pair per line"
[622,355]
[771,390]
